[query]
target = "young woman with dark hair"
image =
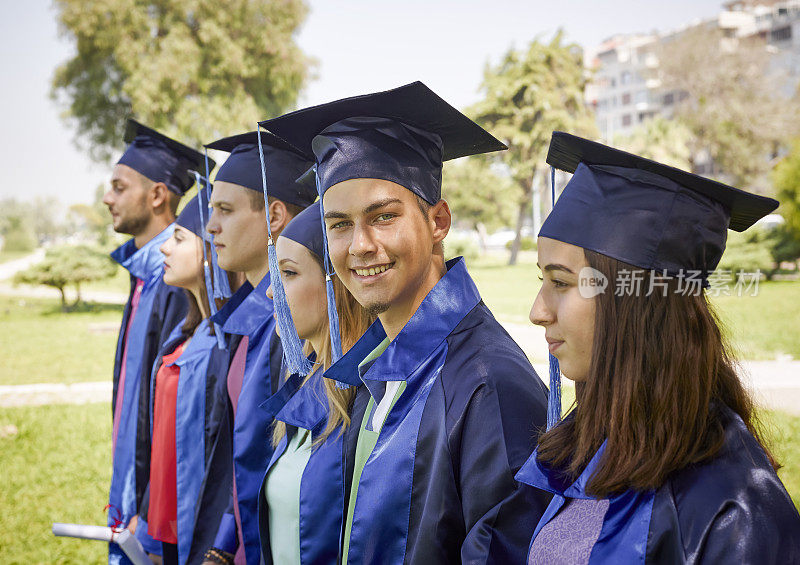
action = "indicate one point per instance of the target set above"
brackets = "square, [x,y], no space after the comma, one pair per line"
[188,409]
[662,459]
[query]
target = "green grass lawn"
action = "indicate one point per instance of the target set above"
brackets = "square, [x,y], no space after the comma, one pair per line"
[40,344]
[55,469]
[759,327]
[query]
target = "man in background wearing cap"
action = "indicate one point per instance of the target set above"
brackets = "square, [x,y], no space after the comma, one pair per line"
[451,406]
[146,186]
[239,226]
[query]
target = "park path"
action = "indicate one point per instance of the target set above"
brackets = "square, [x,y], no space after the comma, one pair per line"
[775,383]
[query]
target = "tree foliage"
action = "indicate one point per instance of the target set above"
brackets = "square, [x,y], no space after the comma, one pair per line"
[735,105]
[526,96]
[786,179]
[196,69]
[478,196]
[69,266]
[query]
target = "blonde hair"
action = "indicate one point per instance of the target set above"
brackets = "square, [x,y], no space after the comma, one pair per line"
[353,322]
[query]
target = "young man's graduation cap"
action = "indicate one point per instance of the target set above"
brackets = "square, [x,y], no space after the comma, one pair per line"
[286,164]
[160,158]
[642,212]
[401,135]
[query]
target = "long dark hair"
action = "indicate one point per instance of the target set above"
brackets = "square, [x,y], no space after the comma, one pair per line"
[194,315]
[660,375]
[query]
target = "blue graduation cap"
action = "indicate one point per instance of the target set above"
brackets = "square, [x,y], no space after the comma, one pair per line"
[642,212]
[160,158]
[243,166]
[401,135]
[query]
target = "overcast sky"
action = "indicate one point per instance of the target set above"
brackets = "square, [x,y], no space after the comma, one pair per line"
[360,45]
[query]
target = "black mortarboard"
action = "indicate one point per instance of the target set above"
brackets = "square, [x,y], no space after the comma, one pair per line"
[402,135]
[642,212]
[284,164]
[160,158]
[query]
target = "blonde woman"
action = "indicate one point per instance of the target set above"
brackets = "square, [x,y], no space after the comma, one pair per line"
[300,506]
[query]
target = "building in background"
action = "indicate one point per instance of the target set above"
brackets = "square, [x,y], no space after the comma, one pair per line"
[625,90]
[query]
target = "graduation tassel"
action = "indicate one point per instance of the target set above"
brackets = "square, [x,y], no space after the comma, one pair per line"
[293,354]
[333,313]
[222,288]
[554,396]
[212,306]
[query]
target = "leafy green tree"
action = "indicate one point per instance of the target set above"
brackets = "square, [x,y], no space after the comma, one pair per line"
[478,196]
[749,252]
[16,225]
[197,69]
[786,179]
[69,266]
[526,96]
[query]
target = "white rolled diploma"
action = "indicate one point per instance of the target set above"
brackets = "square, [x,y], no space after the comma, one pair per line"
[124,539]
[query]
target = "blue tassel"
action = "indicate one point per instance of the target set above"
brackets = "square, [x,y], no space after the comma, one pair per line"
[333,313]
[293,355]
[203,205]
[554,397]
[222,289]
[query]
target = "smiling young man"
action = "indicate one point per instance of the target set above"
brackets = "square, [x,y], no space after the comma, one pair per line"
[451,407]
[146,186]
[239,226]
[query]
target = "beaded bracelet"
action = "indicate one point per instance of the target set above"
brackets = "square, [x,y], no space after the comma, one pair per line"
[219,556]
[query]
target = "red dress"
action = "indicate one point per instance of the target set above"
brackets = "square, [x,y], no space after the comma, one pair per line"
[163,516]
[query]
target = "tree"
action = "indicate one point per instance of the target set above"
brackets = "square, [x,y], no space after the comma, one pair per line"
[197,69]
[786,179]
[667,141]
[69,265]
[731,100]
[527,95]
[16,225]
[477,195]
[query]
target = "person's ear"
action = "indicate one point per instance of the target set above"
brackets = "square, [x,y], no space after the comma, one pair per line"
[440,218]
[278,217]
[159,197]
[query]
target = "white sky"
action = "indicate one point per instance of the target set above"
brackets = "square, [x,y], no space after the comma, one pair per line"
[360,45]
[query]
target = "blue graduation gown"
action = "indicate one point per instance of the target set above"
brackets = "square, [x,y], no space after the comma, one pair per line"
[200,412]
[732,509]
[160,308]
[322,485]
[439,486]
[249,313]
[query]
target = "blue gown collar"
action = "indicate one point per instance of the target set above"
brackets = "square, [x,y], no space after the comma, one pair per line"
[143,263]
[252,312]
[199,346]
[308,407]
[453,297]
[232,304]
[544,478]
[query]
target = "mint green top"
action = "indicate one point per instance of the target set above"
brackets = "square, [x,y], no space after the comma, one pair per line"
[282,493]
[367,439]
